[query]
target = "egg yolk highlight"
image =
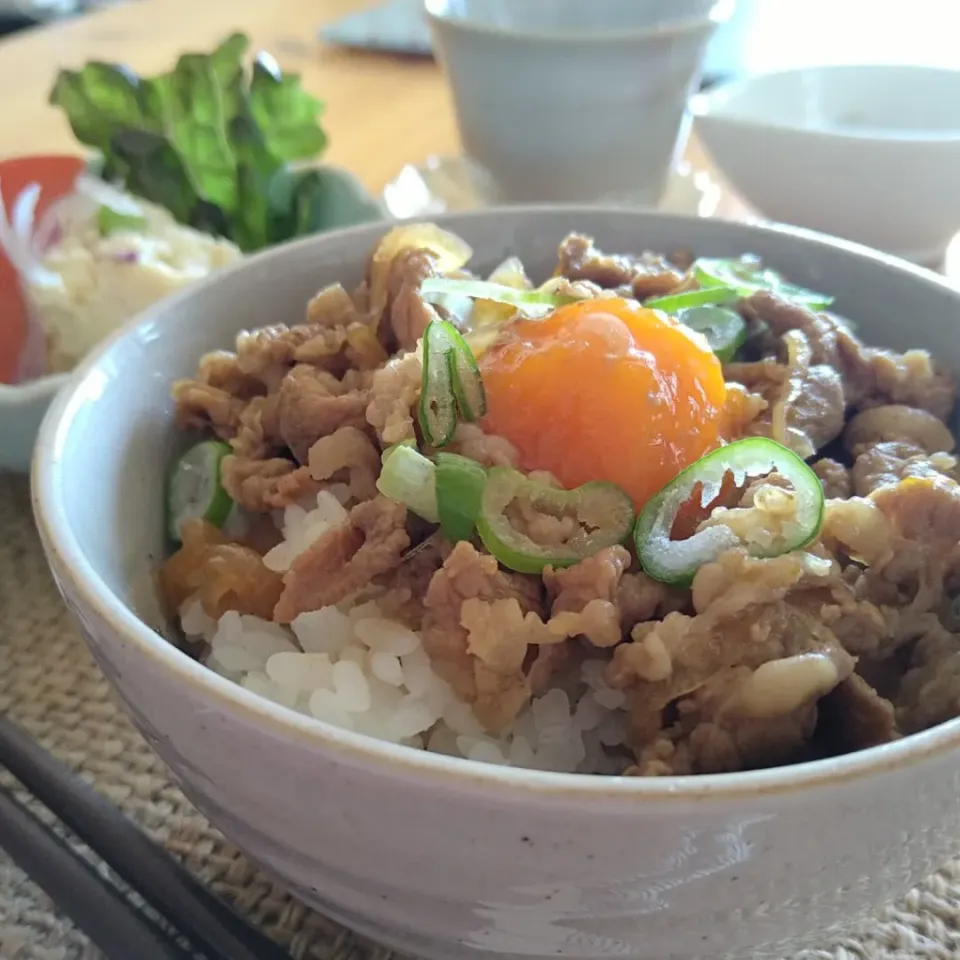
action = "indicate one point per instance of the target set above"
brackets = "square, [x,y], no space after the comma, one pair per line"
[605,390]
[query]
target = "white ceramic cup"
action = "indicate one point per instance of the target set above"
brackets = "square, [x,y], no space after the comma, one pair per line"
[565,100]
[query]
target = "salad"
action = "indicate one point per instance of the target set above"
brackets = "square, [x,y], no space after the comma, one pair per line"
[188,171]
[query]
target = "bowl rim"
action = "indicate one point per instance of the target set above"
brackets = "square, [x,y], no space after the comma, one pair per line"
[69,564]
[26,391]
[709,106]
[438,17]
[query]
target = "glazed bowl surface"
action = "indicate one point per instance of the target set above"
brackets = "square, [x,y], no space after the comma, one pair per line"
[868,152]
[447,859]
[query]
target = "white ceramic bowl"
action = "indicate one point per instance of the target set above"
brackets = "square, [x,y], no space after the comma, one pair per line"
[22,407]
[446,859]
[869,153]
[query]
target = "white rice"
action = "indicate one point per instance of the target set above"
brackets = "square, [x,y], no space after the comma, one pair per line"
[354,668]
[302,527]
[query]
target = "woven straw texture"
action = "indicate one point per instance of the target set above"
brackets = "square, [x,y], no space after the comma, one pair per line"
[49,685]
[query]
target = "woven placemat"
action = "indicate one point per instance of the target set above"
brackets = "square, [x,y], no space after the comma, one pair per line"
[50,685]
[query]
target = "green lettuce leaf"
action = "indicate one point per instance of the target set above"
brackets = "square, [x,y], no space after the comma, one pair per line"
[285,112]
[210,141]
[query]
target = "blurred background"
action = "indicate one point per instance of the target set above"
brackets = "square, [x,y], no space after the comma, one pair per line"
[762,35]
[778,34]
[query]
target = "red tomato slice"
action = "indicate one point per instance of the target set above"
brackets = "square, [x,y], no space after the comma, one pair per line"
[56,175]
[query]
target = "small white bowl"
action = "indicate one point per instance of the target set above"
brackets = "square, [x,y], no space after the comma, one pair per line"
[869,153]
[22,407]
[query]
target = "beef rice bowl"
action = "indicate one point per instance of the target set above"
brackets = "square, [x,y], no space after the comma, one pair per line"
[655,514]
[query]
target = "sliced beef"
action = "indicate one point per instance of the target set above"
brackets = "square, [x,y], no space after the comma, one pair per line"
[641,598]
[262,485]
[406,585]
[345,559]
[930,690]
[899,423]
[711,736]
[347,453]
[885,464]
[221,369]
[269,353]
[780,316]
[394,392]
[835,478]
[333,307]
[648,275]
[405,315]
[258,434]
[925,511]
[741,619]
[584,596]
[902,538]
[200,405]
[853,716]
[477,628]
[469,440]
[893,442]
[805,401]
[313,404]
[883,377]
[813,408]
[225,576]
[871,376]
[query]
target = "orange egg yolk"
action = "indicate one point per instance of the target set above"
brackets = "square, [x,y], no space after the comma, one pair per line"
[605,390]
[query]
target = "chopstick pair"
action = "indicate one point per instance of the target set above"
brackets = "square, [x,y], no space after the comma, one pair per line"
[191,922]
[96,906]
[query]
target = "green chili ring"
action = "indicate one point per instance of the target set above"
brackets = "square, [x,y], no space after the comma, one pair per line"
[676,561]
[451,381]
[606,507]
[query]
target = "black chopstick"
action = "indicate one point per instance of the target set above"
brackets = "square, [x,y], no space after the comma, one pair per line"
[171,889]
[93,904]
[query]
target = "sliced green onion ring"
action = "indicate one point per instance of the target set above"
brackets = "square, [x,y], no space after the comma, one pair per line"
[724,330]
[438,404]
[676,561]
[387,451]
[465,376]
[534,302]
[603,509]
[673,302]
[194,489]
[747,277]
[409,478]
[451,381]
[460,484]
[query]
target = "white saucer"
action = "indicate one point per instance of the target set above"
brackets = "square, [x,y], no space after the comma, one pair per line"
[446,184]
